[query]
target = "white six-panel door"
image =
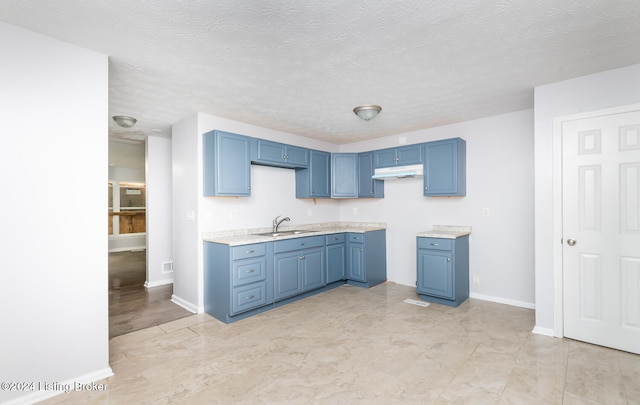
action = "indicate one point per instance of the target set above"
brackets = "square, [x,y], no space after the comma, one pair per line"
[601,230]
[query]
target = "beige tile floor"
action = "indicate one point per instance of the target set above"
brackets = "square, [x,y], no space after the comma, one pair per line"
[363,346]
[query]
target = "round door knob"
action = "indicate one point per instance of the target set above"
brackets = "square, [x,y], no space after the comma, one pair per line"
[571,242]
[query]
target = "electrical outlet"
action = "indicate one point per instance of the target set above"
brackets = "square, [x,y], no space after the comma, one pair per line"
[232,215]
[309,212]
[355,210]
[485,212]
[476,279]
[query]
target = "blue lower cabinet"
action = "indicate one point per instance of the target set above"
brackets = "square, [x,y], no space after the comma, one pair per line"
[443,270]
[366,258]
[298,266]
[336,254]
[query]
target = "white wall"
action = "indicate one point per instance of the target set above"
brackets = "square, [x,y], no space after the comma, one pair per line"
[599,91]
[499,177]
[159,241]
[54,304]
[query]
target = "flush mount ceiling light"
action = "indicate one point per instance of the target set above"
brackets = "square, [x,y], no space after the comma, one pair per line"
[124,121]
[367,112]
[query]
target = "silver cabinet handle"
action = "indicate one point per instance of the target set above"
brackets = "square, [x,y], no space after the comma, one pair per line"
[249,297]
[250,271]
[448,259]
[302,258]
[249,251]
[434,244]
[571,242]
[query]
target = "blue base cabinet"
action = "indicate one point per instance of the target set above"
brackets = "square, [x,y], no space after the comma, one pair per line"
[241,281]
[443,270]
[336,254]
[445,168]
[366,258]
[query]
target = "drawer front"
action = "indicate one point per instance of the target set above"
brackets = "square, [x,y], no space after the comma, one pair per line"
[248,251]
[335,239]
[249,271]
[356,237]
[248,297]
[297,243]
[435,243]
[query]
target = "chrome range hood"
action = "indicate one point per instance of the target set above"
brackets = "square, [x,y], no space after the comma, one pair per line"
[398,172]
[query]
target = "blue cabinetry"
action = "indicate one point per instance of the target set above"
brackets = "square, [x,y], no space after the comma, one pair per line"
[336,254]
[443,270]
[366,258]
[445,168]
[315,181]
[235,279]
[368,187]
[278,154]
[298,266]
[344,176]
[227,165]
[399,156]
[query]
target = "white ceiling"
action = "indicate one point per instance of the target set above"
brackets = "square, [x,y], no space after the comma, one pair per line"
[301,66]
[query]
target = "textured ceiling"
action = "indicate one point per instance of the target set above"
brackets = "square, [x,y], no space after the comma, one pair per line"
[301,66]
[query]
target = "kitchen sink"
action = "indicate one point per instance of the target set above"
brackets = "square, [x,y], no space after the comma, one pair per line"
[283,233]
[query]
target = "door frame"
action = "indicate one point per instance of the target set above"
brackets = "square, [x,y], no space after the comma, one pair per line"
[558,299]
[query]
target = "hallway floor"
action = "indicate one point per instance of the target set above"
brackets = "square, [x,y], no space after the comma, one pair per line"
[132,306]
[364,346]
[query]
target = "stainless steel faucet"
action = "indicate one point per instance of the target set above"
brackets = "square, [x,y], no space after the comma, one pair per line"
[277,223]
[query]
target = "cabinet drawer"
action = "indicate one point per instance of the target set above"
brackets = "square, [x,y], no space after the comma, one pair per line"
[297,244]
[247,251]
[248,297]
[334,239]
[356,237]
[249,271]
[435,243]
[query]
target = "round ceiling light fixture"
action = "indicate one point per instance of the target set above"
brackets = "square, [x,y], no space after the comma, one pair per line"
[367,112]
[125,121]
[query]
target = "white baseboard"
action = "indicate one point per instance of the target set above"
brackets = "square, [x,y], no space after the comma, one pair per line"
[158,283]
[70,385]
[506,301]
[184,304]
[543,331]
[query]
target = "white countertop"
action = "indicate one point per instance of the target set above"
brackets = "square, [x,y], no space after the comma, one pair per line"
[446,232]
[248,236]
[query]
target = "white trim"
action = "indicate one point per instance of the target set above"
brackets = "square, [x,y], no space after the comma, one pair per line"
[158,283]
[558,314]
[543,331]
[185,304]
[42,395]
[515,303]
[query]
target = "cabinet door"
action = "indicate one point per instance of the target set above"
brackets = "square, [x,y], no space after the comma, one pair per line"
[356,262]
[368,187]
[344,179]
[384,157]
[319,170]
[335,262]
[313,269]
[435,273]
[227,165]
[409,155]
[270,151]
[297,156]
[445,167]
[287,280]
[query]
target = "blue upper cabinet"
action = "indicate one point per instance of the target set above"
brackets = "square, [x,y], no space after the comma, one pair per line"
[278,154]
[368,187]
[344,176]
[315,181]
[227,166]
[445,168]
[399,156]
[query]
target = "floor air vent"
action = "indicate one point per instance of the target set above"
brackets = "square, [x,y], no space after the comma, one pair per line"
[416,302]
